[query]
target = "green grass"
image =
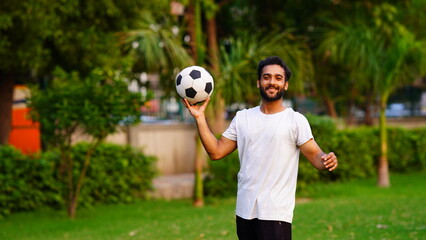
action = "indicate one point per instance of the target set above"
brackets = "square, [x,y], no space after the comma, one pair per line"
[359,210]
[354,210]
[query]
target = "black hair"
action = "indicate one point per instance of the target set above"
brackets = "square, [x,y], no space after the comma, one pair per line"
[273,61]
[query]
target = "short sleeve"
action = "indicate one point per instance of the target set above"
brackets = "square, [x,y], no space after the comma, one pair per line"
[231,131]
[303,132]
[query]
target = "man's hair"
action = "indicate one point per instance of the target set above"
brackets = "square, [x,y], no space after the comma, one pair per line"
[273,61]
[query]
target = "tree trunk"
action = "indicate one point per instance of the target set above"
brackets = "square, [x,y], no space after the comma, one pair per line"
[7,83]
[218,117]
[331,109]
[72,209]
[217,114]
[74,202]
[383,166]
[198,184]
[199,40]
[350,118]
[368,118]
[212,45]
[195,32]
[190,17]
[68,166]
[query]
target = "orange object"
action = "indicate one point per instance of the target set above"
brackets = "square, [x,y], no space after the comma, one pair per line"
[25,134]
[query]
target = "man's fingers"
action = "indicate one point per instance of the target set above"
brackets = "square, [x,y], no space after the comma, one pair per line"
[327,157]
[204,105]
[185,102]
[207,101]
[330,161]
[334,167]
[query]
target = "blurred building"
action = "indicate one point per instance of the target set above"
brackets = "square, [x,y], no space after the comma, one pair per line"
[25,134]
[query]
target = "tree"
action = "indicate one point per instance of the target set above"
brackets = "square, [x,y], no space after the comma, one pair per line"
[232,61]
[23,27]
[37,36]
[198,54]
[240,56]
[403,58]
[155,45]
[381,54]
[97,105]
[237,60]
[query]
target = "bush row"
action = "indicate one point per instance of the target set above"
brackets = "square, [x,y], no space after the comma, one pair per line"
[117,174]
[357,149]
[26,183]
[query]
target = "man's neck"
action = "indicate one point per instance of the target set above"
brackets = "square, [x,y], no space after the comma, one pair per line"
[272,107]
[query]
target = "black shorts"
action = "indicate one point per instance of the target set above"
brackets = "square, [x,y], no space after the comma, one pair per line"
[256,229]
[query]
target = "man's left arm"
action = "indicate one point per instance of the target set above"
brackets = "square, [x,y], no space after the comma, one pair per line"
[317,157]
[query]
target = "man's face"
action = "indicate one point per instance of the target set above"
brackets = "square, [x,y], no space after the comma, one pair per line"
[272,83]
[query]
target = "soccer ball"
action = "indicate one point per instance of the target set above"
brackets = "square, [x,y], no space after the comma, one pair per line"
[195,84]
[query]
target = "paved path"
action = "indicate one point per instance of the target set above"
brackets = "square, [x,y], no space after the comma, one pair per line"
[177,186]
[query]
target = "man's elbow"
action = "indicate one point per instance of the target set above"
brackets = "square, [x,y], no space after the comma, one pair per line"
[215,157]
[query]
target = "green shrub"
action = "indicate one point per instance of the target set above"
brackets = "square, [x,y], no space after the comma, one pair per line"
[357,149]
[402,152]
[325,132]
[221,179]
[307,173]
[26,183]
[117,174]
[419,139]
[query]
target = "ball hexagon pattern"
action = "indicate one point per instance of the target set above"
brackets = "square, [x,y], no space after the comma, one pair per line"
[195,84]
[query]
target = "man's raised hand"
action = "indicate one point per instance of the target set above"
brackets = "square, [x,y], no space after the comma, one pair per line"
[196,110]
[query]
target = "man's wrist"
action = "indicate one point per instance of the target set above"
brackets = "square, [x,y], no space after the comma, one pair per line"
[199,117]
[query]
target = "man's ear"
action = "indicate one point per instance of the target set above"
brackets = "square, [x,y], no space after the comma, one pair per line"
[286,85]
[258,84]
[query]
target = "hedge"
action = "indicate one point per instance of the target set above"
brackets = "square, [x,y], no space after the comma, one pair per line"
[26,183]
[357,149]
[221,178]
[117,174]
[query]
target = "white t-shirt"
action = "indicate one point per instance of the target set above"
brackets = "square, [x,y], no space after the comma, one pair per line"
[269,157]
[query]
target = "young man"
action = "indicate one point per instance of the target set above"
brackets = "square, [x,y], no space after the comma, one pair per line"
[269,138]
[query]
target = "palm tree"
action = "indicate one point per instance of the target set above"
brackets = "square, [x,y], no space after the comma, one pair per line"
[234,66]
[402,58]
[349,43]
[157,47]
[381,55]
[239,58]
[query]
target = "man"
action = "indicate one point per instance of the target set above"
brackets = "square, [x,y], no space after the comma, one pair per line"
[269,138]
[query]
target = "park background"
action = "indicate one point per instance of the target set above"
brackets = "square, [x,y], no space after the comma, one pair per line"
[90,115]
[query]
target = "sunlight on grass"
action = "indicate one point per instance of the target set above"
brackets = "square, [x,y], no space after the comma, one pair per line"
[360,210]
[354,210]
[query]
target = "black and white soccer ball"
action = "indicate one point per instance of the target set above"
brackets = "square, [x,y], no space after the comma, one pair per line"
[195,84]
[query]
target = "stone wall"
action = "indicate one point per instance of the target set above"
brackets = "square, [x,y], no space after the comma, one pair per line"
[173,144]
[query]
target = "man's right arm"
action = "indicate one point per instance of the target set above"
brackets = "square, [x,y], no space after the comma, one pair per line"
[216,148]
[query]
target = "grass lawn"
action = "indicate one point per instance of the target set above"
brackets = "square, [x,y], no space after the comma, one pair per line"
[354,210]
[360,210]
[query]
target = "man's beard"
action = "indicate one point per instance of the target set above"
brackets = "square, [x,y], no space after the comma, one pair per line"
[278,95]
